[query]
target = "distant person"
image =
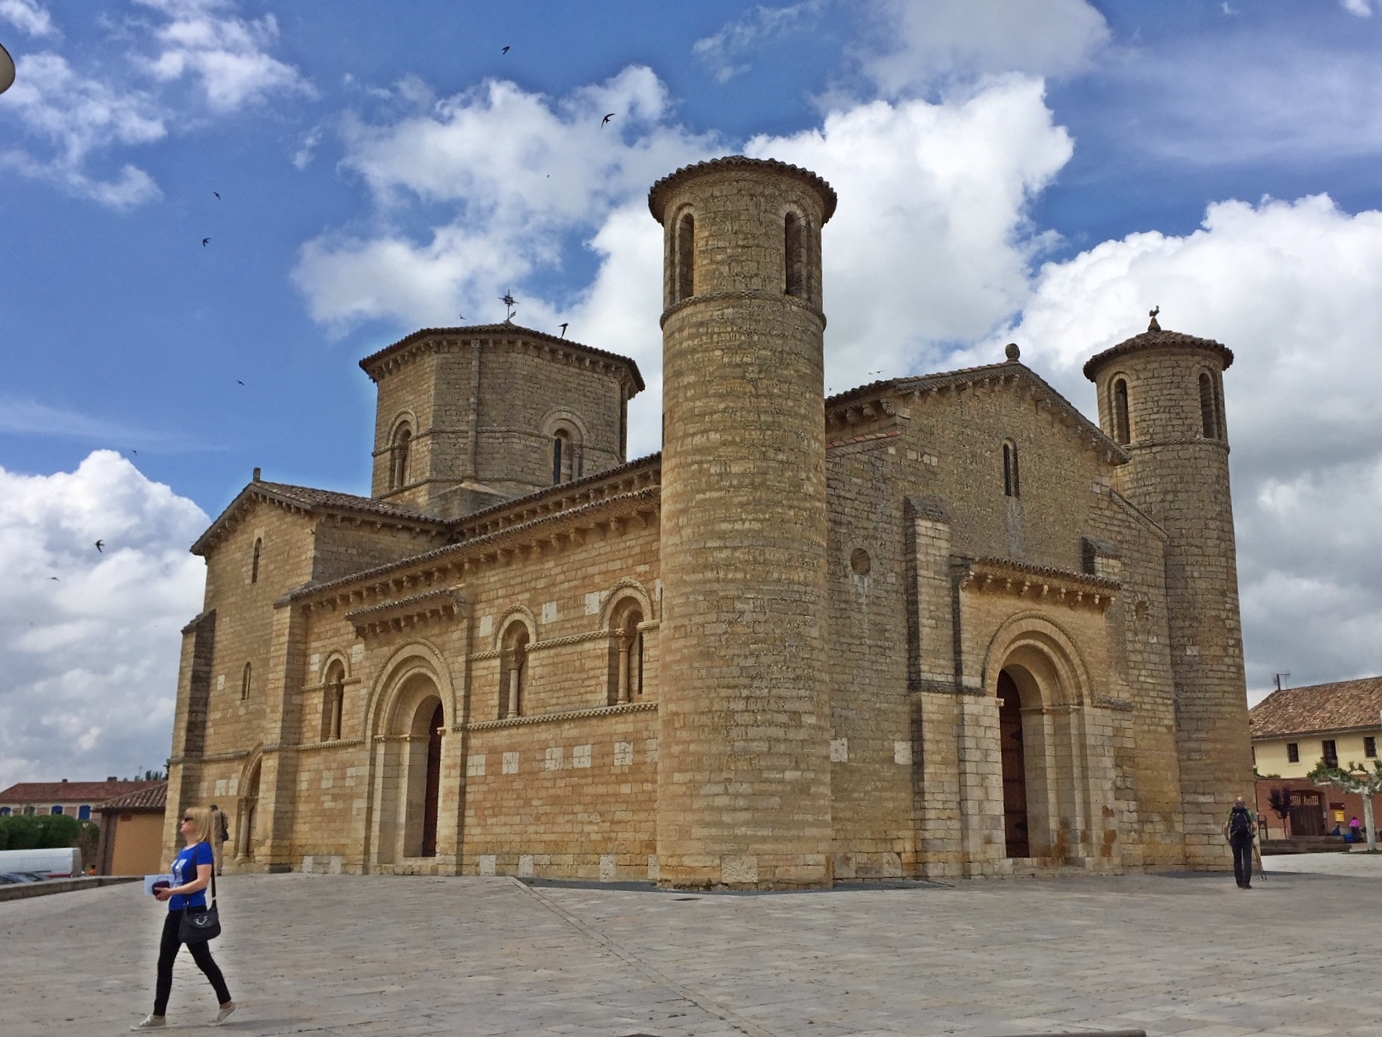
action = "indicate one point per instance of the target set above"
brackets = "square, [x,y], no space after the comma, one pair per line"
[192,873]
[1238,830]
[218,845]
[1354,831]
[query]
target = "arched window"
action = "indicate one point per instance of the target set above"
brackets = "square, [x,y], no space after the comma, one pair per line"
[561,456]
[254,562]
[686,257]
[513,671]
[398,456]
[1012,486]
[628,647]
[245,683]
[794,242]
[1121,431]
[333,701]
[1209,407]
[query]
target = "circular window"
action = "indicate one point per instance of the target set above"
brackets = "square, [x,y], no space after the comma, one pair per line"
[860,562]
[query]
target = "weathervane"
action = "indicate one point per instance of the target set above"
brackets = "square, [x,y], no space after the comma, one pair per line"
[508,300]
[1153,326]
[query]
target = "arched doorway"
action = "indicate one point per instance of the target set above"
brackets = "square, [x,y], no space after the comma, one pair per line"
[432,794]
[1016,824]
[249,801]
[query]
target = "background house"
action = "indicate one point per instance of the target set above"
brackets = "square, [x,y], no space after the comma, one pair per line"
[1294,729]
[132,832]
[75,798]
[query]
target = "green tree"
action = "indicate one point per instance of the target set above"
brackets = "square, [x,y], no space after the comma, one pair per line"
[1359,780]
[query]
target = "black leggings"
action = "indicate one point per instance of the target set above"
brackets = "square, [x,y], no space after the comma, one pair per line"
[168,950]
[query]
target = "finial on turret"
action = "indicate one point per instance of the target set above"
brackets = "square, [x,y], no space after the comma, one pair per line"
[1012,352]
[511,304]
[1153,326]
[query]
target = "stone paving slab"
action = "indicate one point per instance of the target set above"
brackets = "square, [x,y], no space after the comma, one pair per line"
[1189,956]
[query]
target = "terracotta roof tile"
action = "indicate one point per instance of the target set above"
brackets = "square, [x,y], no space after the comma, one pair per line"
[42,793]
[1341,706]
[657,194]
[1152,339]
[155,797]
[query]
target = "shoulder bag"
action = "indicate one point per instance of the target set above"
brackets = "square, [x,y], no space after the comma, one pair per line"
[200,924]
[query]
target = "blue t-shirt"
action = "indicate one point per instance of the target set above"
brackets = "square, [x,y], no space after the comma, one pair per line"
[185,871]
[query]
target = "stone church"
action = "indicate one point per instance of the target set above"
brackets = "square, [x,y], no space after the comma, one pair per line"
[941,625]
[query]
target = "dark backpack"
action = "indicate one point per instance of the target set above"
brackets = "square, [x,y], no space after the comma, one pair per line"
[1239,821]
[225,829]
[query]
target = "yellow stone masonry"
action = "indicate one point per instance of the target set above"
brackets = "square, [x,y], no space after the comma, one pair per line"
[943,625]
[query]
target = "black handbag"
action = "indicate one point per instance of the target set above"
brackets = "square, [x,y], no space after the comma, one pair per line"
[200,924]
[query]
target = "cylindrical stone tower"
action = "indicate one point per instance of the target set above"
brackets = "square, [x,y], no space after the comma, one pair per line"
[744,755]
[1161,396]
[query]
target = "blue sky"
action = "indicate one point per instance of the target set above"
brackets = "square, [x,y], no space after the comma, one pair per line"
[1040,171]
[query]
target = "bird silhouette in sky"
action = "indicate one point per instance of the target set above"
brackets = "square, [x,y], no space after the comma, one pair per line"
[205,242]
[54,578]
[607,118]
[238,382]
[563,330]
[216,193]
[504,51]
[100,546]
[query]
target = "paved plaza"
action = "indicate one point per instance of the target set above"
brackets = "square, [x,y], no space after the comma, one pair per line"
[1298,955]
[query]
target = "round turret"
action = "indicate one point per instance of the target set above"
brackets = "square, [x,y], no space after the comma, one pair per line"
[1161,397]
[743,770]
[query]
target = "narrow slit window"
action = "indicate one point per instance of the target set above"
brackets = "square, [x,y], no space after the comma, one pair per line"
[245,676]
[1012,485]
[402,444]
[1208,418]
[1121,431]
[560,456]
[795,248]
[686,257]
[254,562]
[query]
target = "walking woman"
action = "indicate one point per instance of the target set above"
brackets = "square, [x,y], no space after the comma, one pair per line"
[191,875]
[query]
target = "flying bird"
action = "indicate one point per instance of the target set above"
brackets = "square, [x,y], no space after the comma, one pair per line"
[563,330]
[54,578]
[504,51]
[205,242]
[607,118]
[238,382]
[216,193]
[100,546]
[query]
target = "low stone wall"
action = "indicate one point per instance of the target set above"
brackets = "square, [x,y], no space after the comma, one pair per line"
[21,890]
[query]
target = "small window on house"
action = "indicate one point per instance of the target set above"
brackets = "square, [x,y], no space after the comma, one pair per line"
[1293,752]
[245,683]
[794,242]
[686,257]
[1208,407]
[4,811]
[398,456]
[57,809]
[84,812]
[1121,431]
[1370,747]
[254,562]
[1012,486]
[1331,752]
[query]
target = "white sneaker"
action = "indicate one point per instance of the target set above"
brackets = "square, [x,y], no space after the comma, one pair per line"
[224,1013]
[150,1022]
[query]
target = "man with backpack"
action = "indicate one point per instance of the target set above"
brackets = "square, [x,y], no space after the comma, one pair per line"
[1239,830]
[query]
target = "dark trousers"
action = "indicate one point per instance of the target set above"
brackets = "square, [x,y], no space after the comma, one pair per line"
[168,950]
[1242,858]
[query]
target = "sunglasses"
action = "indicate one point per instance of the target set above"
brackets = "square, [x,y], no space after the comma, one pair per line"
[186,819]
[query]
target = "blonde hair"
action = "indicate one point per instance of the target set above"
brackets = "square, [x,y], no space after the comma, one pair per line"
[203,822]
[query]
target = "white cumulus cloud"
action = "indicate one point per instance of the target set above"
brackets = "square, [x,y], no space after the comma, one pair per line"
[725,52]
[28,16]
[915,43]
[90,659]
[1295,289]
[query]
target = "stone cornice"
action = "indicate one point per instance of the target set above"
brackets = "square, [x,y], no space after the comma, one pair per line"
[406,613]
[723,297]
[571,714]
[511,336]
[441,568]
[1035,582]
